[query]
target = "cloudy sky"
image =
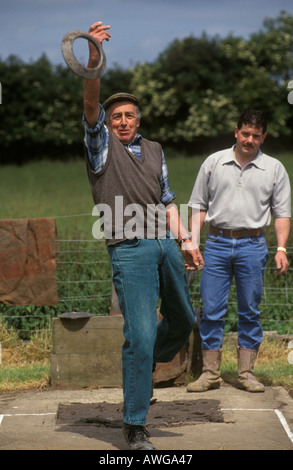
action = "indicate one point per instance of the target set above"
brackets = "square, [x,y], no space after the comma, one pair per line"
[140,29]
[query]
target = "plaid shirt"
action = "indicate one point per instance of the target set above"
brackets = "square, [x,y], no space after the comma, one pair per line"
[97,143]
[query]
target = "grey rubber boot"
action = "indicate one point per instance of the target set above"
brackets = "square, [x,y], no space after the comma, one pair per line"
[210,377]
[246,378]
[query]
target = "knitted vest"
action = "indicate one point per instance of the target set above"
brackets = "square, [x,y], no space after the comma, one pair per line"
[127,193]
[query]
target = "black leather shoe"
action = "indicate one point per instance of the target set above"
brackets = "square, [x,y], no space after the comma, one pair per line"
[137,437]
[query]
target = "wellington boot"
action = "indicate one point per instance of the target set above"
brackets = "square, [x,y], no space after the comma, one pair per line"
[246,379]
[210,377]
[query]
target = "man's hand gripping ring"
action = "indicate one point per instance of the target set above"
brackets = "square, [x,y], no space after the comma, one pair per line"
[72,62]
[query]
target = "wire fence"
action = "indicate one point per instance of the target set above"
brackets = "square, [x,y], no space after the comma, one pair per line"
[84,284]
[84,276]
[92,290]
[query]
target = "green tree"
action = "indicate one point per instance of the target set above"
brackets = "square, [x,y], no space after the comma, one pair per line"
[41,114]
[197,87]
[260,69]
[41,108]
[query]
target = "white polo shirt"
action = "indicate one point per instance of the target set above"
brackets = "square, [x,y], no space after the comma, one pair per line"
[241,198]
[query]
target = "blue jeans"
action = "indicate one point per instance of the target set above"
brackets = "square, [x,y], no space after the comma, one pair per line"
[245,259]
[143,271]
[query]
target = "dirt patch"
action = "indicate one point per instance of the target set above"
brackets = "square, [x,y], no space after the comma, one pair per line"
[161,414]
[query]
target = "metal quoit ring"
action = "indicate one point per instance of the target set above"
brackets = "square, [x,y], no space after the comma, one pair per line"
[72,62]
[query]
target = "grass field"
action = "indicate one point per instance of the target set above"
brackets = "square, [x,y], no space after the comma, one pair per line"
[54,189]
[57,189]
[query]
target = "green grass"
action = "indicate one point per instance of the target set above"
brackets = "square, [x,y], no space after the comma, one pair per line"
[25,364]
[24,377]
[56,188]
[48,189]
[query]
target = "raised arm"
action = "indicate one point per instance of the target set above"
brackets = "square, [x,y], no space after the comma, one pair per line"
[91,93]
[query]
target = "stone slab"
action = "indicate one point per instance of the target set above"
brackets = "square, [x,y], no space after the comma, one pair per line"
[87,353]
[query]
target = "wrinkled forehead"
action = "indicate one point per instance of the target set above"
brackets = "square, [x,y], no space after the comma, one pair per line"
[122,107]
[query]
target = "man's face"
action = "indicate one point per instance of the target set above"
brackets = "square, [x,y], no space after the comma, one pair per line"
[123,121]
[249,140]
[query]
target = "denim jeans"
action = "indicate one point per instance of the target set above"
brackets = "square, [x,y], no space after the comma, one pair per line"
[245,259]
[143,271]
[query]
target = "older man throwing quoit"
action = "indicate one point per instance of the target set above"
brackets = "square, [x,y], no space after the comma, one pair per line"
[128,172]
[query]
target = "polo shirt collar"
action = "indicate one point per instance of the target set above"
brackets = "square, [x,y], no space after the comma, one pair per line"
[258,161]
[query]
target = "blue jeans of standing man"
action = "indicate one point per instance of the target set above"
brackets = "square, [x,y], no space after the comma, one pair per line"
[143,271]
[245,259]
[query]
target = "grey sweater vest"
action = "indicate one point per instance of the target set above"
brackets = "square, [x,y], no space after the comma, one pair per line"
[127,192]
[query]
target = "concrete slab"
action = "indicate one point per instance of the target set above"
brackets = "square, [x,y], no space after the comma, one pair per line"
[30,421]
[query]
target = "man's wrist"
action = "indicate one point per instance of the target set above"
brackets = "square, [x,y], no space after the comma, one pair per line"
[183,240]
[281,248]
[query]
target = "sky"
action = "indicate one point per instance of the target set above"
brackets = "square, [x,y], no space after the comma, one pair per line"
[140,29]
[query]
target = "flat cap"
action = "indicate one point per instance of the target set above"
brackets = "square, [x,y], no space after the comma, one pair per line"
[120,97]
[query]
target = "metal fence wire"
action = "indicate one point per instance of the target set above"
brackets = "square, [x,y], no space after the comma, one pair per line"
[84,284]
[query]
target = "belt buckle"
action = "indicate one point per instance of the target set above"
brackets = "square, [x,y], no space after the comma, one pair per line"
[231,233]
[238,233]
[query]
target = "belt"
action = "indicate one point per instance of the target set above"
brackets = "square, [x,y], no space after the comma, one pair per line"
[236,233]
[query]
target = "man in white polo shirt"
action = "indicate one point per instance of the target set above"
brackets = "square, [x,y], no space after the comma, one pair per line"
[236,191]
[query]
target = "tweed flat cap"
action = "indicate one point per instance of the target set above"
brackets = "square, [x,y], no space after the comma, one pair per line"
[120,97]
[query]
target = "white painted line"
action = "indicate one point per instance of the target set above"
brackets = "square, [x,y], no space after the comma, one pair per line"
[247,409]
[24,414]
[284,424]
[277,412]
